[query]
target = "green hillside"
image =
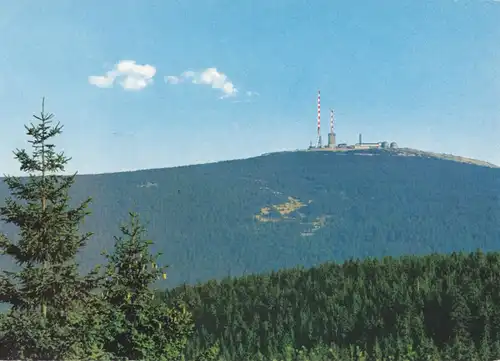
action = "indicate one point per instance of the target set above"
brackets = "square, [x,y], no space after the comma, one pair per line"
[296,208]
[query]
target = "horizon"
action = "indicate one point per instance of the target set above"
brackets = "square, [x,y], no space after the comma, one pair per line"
[194,83]
[431,154]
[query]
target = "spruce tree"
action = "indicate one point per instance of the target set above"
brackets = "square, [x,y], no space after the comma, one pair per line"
[141,328]
[51,303]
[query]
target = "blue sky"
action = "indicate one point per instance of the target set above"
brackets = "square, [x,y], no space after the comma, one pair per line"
[425,74]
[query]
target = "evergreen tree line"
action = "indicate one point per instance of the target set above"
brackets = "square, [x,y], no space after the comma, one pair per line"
[57,313]
[436,307]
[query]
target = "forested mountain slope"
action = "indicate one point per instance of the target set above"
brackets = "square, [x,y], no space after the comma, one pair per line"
[295,208]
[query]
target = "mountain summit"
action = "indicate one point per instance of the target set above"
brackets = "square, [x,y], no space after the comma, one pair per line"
[297,208]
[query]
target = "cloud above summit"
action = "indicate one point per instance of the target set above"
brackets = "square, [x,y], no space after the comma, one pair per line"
[131,76]
[209,76]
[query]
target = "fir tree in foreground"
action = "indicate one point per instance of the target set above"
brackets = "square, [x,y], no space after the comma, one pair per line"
[51,303]
[58,314]
[142,329]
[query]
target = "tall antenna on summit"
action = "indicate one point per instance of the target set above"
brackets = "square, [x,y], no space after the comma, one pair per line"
[331,120]
[319,119]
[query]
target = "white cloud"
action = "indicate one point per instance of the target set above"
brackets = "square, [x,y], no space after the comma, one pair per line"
[209,76]
[101,81]
[173,79]
[133,76]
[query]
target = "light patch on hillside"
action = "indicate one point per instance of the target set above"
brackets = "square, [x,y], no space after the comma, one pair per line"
[316,224]
[288,207]
[282,211]
[406,152]
[148,185]
[419,153]
[289,211]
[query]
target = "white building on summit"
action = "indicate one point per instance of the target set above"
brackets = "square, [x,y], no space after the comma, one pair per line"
[332,141]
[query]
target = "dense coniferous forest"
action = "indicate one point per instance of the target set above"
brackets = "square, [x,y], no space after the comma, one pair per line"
[210,221]
[436,307]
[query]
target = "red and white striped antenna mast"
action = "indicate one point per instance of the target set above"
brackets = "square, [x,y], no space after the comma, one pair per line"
[331,121]
[319,119]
